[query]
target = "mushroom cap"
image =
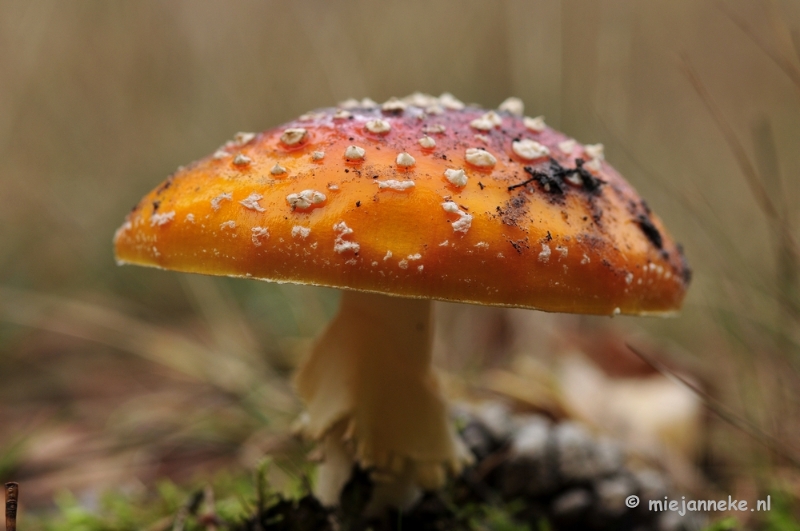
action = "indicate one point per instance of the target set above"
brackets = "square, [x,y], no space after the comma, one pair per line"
[499,210]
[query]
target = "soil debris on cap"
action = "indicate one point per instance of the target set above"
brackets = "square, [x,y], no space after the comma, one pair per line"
[650,231]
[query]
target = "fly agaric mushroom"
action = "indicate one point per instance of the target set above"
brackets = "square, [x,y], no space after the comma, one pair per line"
[419,199]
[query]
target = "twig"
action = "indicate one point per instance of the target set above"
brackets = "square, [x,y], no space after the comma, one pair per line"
[209,518]
[12,496]
[523,183]
[721,410]
[188,508]
[180,519]
[261,485]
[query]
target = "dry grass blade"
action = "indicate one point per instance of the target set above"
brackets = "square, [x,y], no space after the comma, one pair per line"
[767,160]
[698,206]
[722,411]
[747,167]
[782,33]
[789,68]
[336,55]
[104,325]
[788,261]
[740,154]
[225,321]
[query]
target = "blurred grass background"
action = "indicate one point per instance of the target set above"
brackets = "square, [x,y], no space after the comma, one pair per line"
[118,376]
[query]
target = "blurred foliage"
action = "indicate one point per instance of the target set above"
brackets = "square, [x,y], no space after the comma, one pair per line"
[120,512]
[783,515]
[727,524]
[113,377]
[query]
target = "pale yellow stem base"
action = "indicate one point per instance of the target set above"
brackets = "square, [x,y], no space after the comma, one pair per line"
[373,399]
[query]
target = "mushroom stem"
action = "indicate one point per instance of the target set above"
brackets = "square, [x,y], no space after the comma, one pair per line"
[374,400]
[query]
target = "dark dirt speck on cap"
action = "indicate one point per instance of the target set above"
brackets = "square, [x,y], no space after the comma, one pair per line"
[650,231]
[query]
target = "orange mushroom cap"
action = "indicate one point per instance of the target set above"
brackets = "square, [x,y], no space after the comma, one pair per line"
[438,201]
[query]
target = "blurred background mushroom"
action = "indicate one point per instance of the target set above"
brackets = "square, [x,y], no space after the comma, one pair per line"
[696,103]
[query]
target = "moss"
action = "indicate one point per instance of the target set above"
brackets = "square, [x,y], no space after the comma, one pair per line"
[249,503]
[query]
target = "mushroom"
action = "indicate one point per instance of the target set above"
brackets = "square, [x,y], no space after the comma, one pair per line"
[474,222]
